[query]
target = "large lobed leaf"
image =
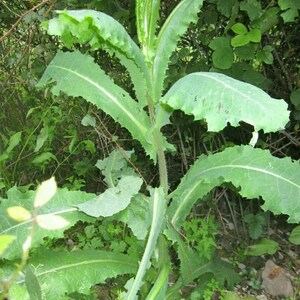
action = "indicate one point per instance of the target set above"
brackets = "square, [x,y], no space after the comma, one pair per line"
[62,272]
[77,75]
[174,27]
[103,31]
[255,171]
[62,205]
[220,99]
[114,199]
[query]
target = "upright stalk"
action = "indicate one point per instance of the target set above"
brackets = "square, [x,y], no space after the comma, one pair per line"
[161,159]
[162,165]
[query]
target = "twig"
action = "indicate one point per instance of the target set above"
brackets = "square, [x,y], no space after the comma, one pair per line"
[21,18]
[5,5]
[295,141]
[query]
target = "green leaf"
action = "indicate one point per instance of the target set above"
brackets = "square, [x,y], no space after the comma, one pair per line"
[193,266]
[265,55]
[137,216]
[239,28]
[240,40]
[174,27]
[75,271]
[46,156]
[225,7]
[268,20]
[290,15]
[254,35]
[88,120]
[18,213]
[5,241]
[161,283]
[102,31]
[89,146]
[256,224]
[290,8]
[77,75]
[223,58]
[254,171]
[114,166]
[157,220]
[253,8]
[221,100]
[246,52]
[4,156]
[62,204]
[219,42]
[295,97]
[253,77]
[147,16]
[14,141]
[264,246]
[223,54]
[285,4]
[114,199]
[295,236]
[51,222]
[32,284]
[42,138]
[45,192]
[224,272]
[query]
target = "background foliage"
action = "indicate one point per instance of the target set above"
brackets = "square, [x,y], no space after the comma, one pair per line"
[253,41]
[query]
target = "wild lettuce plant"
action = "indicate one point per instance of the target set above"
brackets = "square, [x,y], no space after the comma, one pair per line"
[157,216]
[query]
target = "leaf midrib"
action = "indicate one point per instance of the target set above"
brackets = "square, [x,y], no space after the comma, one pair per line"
[86,262]
[204,74]
[109,95]
[252,169]
[182,203]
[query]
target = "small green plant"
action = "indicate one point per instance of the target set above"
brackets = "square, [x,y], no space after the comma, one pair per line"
[251,276]
[256,224]
[213,288]
[201,234]
[156,216]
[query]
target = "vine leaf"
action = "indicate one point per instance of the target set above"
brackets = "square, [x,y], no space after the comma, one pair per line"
[74,271]
[102,31]
[221,99]
[254,171]
[174,27]
[62,204]
[77,75]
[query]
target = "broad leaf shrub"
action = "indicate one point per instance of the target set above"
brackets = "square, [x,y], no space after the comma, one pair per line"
[158,216]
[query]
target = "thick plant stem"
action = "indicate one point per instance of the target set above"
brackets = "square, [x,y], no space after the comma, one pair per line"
[161,159]
[162,166]
[158,211]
